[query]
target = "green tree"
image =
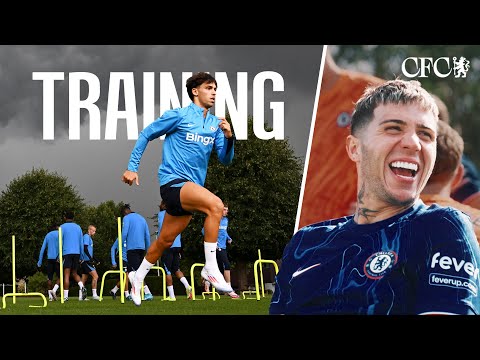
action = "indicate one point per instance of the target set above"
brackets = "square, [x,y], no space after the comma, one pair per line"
[261,187]
[28,206]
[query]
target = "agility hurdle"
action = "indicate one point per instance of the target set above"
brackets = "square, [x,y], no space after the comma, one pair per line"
[123,275]
[258,264]
[192,281]
[14,294]
[164,282]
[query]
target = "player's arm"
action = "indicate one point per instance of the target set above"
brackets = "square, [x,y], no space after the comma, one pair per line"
[42,251]
[113,250]
[147,237]
[224,142]
[161,126]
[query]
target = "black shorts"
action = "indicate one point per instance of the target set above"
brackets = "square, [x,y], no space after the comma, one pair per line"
[171,260]
[86,267]
[135,258]
[71,261]
[171,195]
[222,259]
[53,267]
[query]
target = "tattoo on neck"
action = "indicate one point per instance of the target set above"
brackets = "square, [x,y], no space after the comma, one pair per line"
[360,195]
[367,213]
[362,211]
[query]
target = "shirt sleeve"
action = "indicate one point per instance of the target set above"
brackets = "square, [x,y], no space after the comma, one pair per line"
[224,147]
[448,268]
[126,224]
[147,237]
[161,126]
[42,250]
[113,251]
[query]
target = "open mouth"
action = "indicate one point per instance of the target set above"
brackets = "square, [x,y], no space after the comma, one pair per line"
[403,168]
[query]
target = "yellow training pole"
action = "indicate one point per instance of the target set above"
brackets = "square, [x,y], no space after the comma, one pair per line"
[261,272]
[60,255]
[13,269]
[120,260]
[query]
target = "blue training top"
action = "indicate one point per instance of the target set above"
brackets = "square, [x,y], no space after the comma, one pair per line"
[87,240]
[189,141]
[50,242]
[72,238]
[135,232]
[177,243]
[424,260]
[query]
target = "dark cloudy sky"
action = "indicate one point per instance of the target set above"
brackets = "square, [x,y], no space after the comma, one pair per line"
[95,167]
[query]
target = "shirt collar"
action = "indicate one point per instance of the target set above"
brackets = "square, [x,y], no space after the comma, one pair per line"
[198,109]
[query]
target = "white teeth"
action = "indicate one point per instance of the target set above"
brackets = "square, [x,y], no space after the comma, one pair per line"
[405,165]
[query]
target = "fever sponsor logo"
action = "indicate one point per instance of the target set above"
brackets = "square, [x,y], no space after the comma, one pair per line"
[453,282]
[451,263]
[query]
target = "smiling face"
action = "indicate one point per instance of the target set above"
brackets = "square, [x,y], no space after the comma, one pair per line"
[395,154]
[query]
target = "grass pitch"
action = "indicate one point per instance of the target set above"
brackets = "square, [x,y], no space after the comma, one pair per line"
[223,306]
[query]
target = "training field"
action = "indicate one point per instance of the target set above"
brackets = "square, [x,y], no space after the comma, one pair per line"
[223,306]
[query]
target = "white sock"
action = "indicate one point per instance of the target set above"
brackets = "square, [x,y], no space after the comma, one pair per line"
[146,290]
[50,296]
[65,294]
[126,293]
[94,292]
[115,289]
[55,288]
[81,285]
[80,294]
[171,293]
[185,283]
[143,270]
[210,255]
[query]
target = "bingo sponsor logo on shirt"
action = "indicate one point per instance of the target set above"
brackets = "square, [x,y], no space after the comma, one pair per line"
[457,280]
[205,140]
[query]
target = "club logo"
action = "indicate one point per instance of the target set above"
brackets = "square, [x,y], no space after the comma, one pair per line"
[378,264]
[442,67]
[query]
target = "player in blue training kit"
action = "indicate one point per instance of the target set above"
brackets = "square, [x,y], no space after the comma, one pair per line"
[50,243]
[88,261]
[136,237]
[191,134]
[394,255]
[72,245]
